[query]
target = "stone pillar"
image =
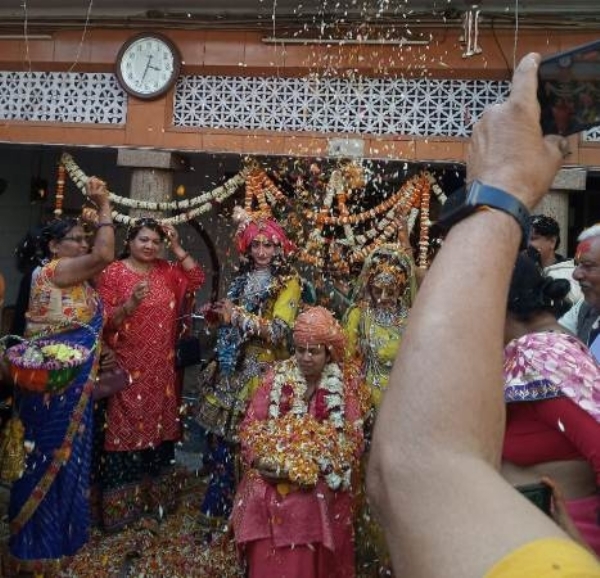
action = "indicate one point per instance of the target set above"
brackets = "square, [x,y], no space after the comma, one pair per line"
[556,203]
[152,178]
[150,185]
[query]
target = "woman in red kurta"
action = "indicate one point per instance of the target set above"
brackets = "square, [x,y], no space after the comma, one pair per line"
[301,438]
[143,297]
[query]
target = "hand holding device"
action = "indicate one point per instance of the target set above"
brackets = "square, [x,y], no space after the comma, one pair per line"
[569,90]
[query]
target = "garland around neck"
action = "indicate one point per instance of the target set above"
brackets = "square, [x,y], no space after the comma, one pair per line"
[288,373]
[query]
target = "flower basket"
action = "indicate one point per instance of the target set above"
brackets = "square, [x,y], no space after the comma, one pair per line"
[46,365]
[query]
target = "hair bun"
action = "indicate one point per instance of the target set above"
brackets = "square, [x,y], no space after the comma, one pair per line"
[556,289]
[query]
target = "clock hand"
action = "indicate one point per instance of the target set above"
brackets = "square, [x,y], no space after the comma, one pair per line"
[147,67]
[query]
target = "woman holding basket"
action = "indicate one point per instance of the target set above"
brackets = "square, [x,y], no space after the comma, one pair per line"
[49,511]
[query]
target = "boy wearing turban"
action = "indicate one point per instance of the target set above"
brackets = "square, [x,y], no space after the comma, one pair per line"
[301,439]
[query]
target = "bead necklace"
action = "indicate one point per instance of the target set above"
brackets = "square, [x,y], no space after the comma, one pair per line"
[257,284]
[373,318]
[386,316]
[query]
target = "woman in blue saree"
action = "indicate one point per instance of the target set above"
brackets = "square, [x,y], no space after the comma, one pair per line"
[49,513]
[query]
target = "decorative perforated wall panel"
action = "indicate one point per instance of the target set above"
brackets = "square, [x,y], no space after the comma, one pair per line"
[378,106]
[592,135]
[62,97]
[419,107]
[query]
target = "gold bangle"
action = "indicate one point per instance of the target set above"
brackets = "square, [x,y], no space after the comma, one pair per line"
[183,257]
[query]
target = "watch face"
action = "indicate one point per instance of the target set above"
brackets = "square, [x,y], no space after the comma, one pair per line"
[148,65]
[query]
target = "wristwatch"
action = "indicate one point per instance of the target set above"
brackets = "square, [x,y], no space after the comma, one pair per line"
[481,195]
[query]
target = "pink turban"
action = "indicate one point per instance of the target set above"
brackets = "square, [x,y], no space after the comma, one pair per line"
[267,227]
[317,325]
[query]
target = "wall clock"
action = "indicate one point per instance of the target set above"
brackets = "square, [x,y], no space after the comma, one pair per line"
[148,65]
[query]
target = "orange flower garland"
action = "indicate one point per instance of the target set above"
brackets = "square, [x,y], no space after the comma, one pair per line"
[424,225]
[261,188]
[60,191]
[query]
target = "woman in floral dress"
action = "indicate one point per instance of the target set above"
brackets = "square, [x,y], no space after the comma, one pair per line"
[49,510]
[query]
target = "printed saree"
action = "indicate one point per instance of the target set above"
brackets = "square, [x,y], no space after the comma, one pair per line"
[49,511]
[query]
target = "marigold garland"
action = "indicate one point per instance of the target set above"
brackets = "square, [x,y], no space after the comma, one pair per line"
[424,226]
[60,191]
[410,202]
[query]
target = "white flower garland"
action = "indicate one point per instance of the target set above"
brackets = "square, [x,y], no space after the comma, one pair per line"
[288,373]
[198,205]
[332,381]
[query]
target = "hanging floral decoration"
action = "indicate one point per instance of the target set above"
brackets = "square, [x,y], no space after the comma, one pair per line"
[261,192]
[192,208]
[324,215]
[359,233]
[331,233]
[60,191]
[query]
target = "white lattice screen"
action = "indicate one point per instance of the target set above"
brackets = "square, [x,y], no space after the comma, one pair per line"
[91,97]
[377,106]
[592,135]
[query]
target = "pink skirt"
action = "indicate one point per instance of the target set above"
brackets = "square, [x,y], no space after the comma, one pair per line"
[585,513]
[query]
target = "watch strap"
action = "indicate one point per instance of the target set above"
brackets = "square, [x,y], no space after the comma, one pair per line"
[482,195]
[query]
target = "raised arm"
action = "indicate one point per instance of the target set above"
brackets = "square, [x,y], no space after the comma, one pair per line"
[436,449]
[73,270]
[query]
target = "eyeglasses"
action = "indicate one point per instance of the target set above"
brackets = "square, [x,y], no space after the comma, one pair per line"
[76,239]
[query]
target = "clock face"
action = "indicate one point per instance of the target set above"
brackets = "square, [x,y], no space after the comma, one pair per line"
[148,65]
